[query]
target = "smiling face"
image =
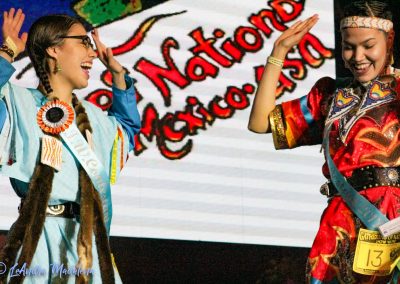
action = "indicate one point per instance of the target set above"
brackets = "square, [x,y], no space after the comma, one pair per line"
[364,50]
[75,58]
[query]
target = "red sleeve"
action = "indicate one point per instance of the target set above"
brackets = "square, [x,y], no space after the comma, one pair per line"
[301,121]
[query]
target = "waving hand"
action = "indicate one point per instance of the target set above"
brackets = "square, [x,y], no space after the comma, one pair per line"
[12,23]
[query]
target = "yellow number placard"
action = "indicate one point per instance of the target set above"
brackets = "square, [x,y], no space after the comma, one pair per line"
[376,255]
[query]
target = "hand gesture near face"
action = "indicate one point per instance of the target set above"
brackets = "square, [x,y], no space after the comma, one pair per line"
[107,58]
[12,23]
[293,35]
[105,55]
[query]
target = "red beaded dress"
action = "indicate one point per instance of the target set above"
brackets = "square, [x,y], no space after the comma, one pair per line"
[365,132]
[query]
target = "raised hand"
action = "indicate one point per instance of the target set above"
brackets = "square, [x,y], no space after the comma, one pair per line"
[264,101]
[107,58]
[293,35]
[105,55]
[12,23]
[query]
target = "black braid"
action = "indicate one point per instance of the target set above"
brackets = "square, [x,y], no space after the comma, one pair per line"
[27,229]
[44,79]
[82,120]
[91,211]
[369,8]
[35,209]
[42,72]
[102,244]
[84,245]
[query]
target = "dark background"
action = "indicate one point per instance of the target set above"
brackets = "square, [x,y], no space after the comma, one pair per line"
[170,261]
[339,5]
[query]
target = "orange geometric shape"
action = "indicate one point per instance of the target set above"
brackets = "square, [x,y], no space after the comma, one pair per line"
[386,143]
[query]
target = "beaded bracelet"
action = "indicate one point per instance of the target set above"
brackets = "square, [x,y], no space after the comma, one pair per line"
[275,61]
[11,44]
[7,51]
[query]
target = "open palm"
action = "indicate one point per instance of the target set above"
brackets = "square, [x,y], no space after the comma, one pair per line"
[12,23]
[293,35]
[105,54]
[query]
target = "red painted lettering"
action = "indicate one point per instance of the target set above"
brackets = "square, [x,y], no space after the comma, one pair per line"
[242,35]
[158,74]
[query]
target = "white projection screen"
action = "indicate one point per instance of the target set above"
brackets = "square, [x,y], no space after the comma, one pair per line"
[197,172]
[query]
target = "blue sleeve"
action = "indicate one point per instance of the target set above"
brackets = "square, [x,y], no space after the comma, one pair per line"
[3,113]
[125,111]
[6,71]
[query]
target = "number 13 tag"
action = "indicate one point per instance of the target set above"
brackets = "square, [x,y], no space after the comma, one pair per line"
[376,255]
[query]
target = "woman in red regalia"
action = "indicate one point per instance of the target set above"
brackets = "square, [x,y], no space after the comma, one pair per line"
[359,117]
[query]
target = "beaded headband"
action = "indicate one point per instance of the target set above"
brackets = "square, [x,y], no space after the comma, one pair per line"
[366,22]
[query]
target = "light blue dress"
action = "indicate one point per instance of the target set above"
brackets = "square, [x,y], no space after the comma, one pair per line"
[57,247]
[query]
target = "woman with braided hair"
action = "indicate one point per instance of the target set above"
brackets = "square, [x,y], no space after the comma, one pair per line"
[60,153]
[357,121]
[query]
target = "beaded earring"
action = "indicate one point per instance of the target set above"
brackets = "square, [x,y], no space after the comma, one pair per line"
[57,68]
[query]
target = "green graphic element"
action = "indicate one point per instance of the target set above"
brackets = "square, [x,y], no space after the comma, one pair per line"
[100,12]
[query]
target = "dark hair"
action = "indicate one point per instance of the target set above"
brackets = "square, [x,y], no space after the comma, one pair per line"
[368,9]
[45,32]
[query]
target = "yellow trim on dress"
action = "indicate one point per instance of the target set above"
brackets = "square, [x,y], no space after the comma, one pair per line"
[119,139]
[113,175]
[278,128]
[290,137]
[122,160]
[113,263]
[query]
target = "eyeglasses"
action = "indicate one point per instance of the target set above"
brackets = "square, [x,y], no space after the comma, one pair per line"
[86,41]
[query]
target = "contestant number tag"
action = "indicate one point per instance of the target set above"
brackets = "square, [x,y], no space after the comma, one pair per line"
[376,255]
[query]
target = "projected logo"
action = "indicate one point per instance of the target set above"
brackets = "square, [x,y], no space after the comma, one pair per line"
[172,130]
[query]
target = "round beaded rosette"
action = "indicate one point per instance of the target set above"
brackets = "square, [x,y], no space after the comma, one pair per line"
[55,116]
